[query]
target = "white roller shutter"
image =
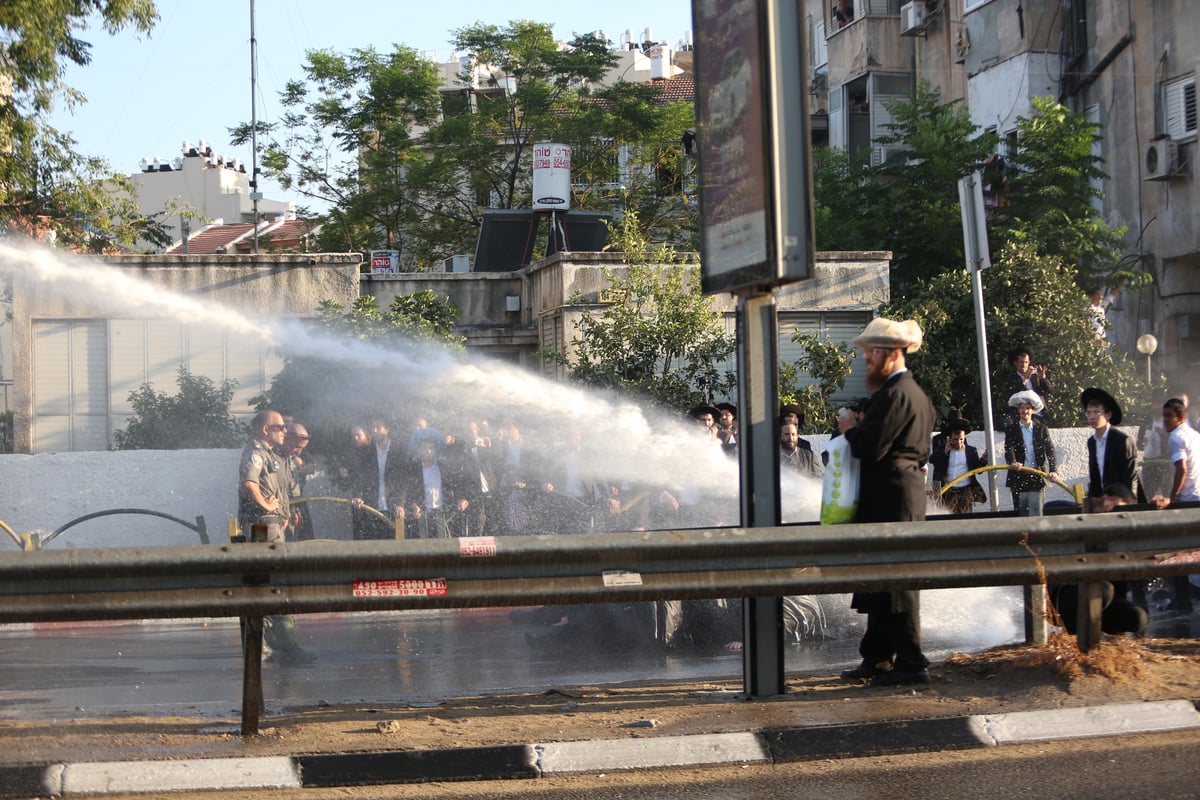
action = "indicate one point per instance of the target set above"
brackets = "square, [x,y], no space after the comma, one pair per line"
[70,387]
[837,326]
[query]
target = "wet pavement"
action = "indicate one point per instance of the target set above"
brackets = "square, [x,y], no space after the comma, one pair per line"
[81,671]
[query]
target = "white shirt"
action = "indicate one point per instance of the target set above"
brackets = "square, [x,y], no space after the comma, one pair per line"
[1101,447]
[956,465]
[381,460]
[433,487]
[1185,446]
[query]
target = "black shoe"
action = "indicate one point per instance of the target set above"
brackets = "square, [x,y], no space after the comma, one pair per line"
[899,677]
[865,672]
[293,657]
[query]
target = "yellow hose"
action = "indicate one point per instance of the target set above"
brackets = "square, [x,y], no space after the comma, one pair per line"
[1076,491]
[300,500]
[10,532]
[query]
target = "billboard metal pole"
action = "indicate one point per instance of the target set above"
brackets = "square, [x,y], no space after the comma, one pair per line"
[758,450]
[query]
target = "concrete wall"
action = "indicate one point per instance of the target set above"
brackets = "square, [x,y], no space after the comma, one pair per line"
[42,492]
[483,297]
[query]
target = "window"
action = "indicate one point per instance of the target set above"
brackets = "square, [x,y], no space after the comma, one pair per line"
[971,5]
[818,51]
[1179,108]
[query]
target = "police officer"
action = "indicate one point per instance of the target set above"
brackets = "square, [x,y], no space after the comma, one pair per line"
[264,493]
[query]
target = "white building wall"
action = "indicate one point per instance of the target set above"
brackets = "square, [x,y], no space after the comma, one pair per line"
[999,95]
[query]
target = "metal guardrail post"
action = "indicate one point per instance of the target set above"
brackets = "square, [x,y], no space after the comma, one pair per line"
[1037,628]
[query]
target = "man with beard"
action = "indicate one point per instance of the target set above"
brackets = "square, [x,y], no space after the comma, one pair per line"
[892,445]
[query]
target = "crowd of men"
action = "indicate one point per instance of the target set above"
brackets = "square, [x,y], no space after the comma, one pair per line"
[479,480]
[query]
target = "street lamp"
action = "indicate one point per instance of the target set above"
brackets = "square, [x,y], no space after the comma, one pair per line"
[1147,344]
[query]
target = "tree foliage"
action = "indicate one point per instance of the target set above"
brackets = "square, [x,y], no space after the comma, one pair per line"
[909,204]
[45,185]
[659,338]
[408,164]
[1031,300]
[1051,194]
[346,138]
[196,417]
[828,364]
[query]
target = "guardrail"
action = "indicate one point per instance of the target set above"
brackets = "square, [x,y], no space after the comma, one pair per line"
[258,579]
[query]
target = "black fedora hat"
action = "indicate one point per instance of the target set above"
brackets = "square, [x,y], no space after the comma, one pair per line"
[792,408]
[703,409]
[953,424]
[1094,395]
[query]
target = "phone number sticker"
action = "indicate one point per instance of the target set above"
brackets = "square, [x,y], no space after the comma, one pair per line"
[408,587]
[476,546]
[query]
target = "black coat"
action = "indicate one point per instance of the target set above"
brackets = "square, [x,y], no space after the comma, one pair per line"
[1120,463]
[940,461]
[1043,457]
[892,445]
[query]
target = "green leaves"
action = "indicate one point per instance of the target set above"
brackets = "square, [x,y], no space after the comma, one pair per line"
[196,417]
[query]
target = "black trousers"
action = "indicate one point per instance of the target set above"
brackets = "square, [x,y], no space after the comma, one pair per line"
[894,637]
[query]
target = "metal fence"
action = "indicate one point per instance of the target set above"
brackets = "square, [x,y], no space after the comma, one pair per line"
[319,576]
[257,579]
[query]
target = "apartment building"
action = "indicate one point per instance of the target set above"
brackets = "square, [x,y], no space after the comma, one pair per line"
[1130,67]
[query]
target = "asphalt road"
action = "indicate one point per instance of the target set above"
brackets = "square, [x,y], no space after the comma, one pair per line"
[194,668]
[1143,767]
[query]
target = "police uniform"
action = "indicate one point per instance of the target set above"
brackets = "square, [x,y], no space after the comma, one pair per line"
[273,474]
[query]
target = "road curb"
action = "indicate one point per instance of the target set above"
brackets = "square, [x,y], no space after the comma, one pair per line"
[537,760]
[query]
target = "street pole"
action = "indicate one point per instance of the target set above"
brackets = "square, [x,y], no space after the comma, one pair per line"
[758,451]
[975,245]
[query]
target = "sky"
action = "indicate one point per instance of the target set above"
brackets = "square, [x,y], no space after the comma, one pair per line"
[190,79]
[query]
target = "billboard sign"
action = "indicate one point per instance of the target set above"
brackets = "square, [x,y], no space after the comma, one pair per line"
[754,144]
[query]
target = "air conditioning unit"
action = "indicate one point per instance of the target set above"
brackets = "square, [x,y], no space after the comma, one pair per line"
[1159,160]
[912,18]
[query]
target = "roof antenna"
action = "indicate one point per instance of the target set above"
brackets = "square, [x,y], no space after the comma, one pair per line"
[255,194]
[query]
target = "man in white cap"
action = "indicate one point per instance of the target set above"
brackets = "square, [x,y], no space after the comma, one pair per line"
[1027,444]
[892,444]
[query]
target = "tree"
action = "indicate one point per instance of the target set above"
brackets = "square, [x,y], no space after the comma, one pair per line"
[325,392]
[420,162]
[659,339]
[44,184]
[1032,300]
[197,417]
[829,364]
[1050,193]
[347,138]
[909,204]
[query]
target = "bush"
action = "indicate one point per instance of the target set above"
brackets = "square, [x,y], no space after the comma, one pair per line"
[197,417]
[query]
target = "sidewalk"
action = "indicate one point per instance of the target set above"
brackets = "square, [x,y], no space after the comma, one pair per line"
[984,700]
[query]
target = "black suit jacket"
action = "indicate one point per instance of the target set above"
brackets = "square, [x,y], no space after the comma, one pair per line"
[892,445]
[1043,456]
[365,477]
[940,460]
[1120,464]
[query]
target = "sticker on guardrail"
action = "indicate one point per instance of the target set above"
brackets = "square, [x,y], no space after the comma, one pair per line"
[475,546]
[621,577]
[406,587]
